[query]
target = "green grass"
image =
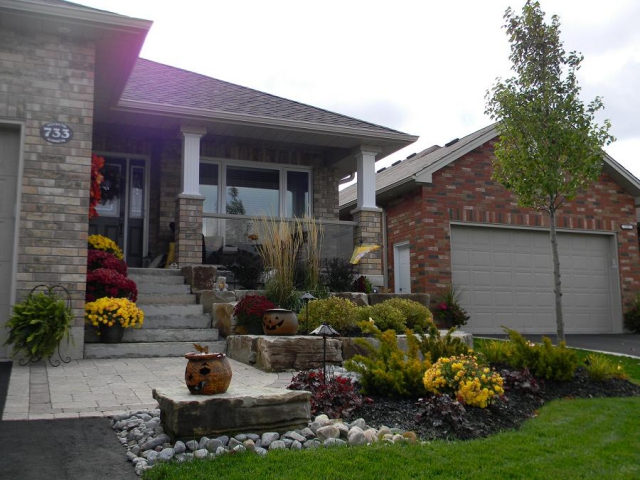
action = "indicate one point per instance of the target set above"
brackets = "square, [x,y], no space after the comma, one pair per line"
[595,438]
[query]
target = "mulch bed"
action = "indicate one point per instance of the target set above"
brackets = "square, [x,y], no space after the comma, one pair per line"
[510,412]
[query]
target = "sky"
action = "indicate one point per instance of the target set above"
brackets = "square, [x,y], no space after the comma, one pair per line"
[421,67]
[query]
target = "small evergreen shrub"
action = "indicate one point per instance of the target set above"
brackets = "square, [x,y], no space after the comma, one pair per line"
[434,346]
[387,370]
[601,368]
[338,274]
[340,313]
[439,410]
[337,397]
[544,361]
[463,378]
[632,316]
[415,314]
[385,316]
[497,351]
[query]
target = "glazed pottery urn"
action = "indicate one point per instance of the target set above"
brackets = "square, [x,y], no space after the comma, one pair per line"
[207,373]
[279,321]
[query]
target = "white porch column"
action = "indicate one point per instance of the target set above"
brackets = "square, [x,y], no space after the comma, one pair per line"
[366,187]
[191,159]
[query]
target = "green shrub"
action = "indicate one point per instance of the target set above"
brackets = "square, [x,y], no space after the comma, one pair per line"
[497,351]
[385,316]
[434,346]
[544,361]
[340,313]
[415,314]
[338,274]
[387,370]
[602,368]
[632,317]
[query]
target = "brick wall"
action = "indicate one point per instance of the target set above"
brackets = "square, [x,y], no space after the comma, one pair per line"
[464,192]
[45,78]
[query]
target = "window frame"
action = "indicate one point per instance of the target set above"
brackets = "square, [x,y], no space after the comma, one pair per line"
[282,169]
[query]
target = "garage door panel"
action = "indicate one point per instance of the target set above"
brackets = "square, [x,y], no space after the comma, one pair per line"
[514,271]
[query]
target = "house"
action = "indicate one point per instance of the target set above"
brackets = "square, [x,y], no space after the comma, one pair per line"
[179,147]
[447,221]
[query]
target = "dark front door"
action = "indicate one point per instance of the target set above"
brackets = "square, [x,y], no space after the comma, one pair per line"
[122,212]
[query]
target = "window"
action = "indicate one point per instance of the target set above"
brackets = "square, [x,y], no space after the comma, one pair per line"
[255,189]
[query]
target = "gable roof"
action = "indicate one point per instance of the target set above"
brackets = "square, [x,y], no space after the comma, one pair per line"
[419,169]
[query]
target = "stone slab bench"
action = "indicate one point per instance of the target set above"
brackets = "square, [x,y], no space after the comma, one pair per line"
[240,409]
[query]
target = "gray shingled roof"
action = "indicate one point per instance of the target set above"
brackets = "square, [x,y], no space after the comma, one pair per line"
[173,87]
[406,169]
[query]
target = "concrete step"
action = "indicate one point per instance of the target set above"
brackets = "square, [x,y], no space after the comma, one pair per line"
[145,335]
[173,299]
[160,280]
[172,321]
[171,310]
[154,272]
[149,349]
[166,288]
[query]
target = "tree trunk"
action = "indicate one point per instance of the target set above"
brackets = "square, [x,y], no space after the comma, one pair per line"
[557,286]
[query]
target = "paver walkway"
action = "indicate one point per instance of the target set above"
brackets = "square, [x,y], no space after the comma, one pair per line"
[101,388]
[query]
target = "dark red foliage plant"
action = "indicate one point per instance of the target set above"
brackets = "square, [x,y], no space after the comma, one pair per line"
[104,282]
[250,309]
[336,398]
[101,259]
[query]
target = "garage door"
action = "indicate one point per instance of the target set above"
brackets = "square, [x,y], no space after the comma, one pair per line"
[507,279]
[9,153]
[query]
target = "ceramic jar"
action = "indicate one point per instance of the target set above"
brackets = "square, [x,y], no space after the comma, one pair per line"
[207,373]
[279,321]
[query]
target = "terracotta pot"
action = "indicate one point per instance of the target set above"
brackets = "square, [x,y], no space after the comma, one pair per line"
[111,334]
[279,321]
[207,373]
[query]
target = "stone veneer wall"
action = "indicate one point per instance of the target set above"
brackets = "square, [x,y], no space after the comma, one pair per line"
[369,231]
[465,192]
[46,78]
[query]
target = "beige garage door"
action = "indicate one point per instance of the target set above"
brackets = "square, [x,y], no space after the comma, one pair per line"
[9,155]
[507,279]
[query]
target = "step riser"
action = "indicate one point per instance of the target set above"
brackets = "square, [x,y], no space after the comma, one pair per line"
[155,288]
[165,299]
[176,322]
[157,280]
[171,310]
[155,272]
[195,335]
[139,350]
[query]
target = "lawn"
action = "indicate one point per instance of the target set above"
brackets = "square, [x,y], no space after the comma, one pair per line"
[595,438]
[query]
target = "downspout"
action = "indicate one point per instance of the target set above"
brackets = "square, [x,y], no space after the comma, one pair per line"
[385,258]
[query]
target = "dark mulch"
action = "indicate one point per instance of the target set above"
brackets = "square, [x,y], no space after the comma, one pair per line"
[508,413]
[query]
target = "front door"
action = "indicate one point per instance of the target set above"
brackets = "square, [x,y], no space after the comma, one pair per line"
[401,253]
[121,214]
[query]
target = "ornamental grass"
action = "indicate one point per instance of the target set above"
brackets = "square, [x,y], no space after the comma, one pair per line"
[109,311]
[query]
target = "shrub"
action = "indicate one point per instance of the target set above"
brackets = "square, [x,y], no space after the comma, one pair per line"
[632,316]
[101,259]
[387,370]
[434,346]
[38,325]
[337,397]
[415,314]
[338,274]
[109,283]
[385,316]
[109,311]
[362,284]
[439,410]
[521,381]
[497,351]
[247,269]
[462,377]
[448,310]
[250,310]
[340,313]
[544,361]
[601,368]
[99,242]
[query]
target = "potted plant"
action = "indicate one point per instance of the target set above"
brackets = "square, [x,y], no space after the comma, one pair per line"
[448,312]
[249,312]
[39,323]
[111,316]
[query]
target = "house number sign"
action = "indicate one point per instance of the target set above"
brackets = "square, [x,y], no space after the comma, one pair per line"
[56,132]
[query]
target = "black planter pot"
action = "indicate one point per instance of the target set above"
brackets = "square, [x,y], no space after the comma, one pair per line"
[112,334]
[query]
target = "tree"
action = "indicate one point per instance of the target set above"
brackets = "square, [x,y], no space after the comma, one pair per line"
[550,148]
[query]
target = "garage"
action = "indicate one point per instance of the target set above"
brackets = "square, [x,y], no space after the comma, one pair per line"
[506,275]
[9,162]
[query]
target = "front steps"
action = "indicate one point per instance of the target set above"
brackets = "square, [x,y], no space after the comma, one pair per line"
[173,321]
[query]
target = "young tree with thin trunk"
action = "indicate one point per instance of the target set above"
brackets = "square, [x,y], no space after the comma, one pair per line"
[550,147]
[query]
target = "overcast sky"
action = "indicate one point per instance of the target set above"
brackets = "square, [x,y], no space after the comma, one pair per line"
[421,67]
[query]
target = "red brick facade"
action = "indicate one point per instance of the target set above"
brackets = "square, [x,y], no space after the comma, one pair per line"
[463,192]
